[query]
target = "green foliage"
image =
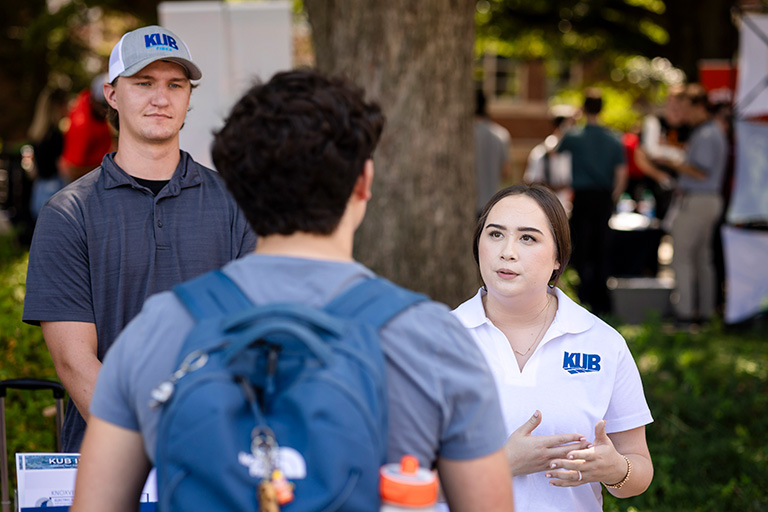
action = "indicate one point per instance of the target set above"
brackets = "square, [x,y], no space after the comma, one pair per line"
[29,419]
[618,112]
[571,29]
[708,392]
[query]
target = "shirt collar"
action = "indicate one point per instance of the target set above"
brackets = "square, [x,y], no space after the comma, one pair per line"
[472,313]
[570,317]
[187,174]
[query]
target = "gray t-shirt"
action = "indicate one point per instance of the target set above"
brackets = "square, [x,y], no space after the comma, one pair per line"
[442,398]
[708,151]
[491,154]
[104,243]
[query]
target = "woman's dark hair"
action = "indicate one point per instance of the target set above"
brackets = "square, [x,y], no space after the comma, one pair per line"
[292,149]
[553,210]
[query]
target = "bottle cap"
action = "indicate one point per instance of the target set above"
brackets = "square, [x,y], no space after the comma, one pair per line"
[407,484]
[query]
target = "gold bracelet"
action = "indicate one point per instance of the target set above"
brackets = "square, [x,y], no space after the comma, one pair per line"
[619,485]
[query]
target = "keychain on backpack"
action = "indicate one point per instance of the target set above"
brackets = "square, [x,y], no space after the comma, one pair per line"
[274,489]
[267,497]
[283,488]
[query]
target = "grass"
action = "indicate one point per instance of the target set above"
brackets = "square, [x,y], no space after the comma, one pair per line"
[708,392]
[30,415]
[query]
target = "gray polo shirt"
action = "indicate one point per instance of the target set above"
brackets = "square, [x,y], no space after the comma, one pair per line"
[105,243]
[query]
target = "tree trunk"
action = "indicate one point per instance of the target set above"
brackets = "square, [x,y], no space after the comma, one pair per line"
[699,29]
[415,59]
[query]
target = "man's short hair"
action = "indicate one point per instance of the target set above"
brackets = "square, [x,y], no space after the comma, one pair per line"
[293,148]
[593,101]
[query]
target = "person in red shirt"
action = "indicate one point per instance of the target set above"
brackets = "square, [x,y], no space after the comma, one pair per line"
[89,137]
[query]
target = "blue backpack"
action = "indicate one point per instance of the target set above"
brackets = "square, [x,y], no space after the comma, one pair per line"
[284,387]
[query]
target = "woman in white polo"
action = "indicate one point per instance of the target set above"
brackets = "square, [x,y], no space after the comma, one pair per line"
[570,391]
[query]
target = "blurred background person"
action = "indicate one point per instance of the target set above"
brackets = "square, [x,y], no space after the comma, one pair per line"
[89,136]
[599,176]
[662,142]
[699,208]
[491,152]
[48,143]
[547,166]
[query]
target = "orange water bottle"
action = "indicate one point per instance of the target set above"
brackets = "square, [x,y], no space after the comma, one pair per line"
[407,487]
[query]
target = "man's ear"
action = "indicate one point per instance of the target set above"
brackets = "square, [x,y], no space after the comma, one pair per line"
[364,181]
[109,95]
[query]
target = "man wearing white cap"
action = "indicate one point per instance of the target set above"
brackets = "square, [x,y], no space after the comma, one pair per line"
[149,217]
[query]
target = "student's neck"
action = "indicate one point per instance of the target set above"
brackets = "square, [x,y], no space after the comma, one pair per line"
[334,247]
[148,161]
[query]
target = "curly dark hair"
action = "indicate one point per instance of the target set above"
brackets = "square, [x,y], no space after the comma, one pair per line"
[293,148]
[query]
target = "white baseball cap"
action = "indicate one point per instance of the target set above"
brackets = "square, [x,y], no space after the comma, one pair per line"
[143,46]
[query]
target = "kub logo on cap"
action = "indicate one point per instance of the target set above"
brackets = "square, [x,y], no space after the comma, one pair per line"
[143,46]
[160,40]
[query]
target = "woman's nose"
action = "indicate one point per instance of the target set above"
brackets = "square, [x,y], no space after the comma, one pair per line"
[508,252]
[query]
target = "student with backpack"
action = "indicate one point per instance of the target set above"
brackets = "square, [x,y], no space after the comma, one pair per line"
[266,378]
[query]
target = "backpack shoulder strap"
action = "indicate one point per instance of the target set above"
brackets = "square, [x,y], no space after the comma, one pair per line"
[374,301]
[212,294]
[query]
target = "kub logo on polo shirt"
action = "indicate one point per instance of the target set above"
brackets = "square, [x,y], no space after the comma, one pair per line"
[161,41]
[581,363]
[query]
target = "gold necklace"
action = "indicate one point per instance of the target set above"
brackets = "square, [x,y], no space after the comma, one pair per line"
[536,339]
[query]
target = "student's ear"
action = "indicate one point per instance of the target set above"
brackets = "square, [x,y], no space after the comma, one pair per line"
[365,181]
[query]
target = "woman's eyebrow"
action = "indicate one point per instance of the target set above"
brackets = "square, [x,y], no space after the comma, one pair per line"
[521,228]
[535,230]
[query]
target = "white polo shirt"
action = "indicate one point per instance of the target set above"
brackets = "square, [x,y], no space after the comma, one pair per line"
[581,372]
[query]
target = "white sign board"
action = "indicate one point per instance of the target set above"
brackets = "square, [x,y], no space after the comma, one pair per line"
[48,480]
[234,44]
[746,292]
[752,81]
[749,197]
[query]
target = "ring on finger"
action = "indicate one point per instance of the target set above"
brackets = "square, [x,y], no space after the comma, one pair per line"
[580,477]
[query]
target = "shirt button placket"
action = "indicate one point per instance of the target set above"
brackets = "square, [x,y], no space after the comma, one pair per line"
[160,237]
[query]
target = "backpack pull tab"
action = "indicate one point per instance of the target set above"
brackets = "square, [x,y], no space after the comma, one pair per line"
[164,391]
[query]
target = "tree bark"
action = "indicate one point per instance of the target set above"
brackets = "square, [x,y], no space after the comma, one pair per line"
[415,59]
[699,29]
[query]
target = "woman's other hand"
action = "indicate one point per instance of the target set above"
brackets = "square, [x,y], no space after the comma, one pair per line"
[599,462]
